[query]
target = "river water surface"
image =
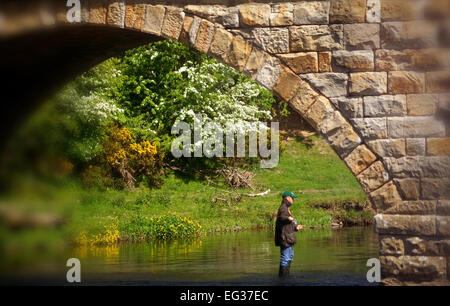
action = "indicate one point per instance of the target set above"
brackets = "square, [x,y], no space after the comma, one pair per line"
[322,257]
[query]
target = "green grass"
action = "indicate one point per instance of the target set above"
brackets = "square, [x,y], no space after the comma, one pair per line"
[308,168]
[312,170]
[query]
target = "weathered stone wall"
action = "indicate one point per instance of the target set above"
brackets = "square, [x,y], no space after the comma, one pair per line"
[372,76]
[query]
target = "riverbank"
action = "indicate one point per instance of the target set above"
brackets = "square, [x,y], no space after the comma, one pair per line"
[328,194]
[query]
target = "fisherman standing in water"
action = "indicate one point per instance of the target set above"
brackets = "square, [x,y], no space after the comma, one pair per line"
[285,229]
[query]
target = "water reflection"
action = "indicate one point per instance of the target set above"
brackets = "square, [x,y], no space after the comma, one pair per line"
[249,257]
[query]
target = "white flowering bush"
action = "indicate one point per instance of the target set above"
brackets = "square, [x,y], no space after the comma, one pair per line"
[147,91]
[166,82]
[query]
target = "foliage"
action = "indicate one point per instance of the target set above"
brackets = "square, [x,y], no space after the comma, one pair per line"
[85,108]
[69,128]
[145,91]
[164,227]
[166,81]
[132,159]
[140,227]
[160,90]
[109,236]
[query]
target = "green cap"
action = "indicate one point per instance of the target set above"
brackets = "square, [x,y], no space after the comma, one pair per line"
[289,194]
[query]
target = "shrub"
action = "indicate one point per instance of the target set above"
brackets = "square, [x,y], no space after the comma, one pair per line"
[164,227]
[109,236]
[131,160]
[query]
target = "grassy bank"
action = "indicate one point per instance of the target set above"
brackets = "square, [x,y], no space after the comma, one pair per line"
[327,193]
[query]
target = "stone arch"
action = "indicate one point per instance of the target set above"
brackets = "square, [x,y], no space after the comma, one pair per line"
[408,191]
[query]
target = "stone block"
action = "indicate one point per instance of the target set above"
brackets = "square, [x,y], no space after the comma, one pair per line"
[229,18]
[97,11]
[438,146]
[391,246]
[443,208]
[397,10]
[172,24]
[435,188]
[273,40]
[411,59]
[301,62]
[406,82]
[415,269]
[443,225]
[405,224]
[255,62]
[425,246]
[409,188]
[415,146]
[204,36]
[221,44]
[315,37]
[404,167]
[350,107]
[347,11]
[135,13]
[343,139]
[361,60]
[190,29]
[268,73]
[413,208]
[239,54]
[415,127]
[388,147]
[330,84]
[153,21]
[435,166]
[332,124]
[319,111]
[311,12]
[282,15]
[287,84]
[255,14]
[359,159]
[371,128]
[373,177]
[184,37]
[385,105]
[421,104]
[385,197]
[324,61]
[210,12]
[304,98]
[409,35]
[362,36]
[116,14]
[368,83]
[436,9]
[438,81]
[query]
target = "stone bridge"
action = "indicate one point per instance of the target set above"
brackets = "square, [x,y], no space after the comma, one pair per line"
[372,76]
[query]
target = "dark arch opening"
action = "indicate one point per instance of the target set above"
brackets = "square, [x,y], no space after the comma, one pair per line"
[36,64]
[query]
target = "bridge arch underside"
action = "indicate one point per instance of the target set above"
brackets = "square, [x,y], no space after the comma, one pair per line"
[371,76]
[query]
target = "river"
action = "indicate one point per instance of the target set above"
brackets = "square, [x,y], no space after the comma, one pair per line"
[322,257]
